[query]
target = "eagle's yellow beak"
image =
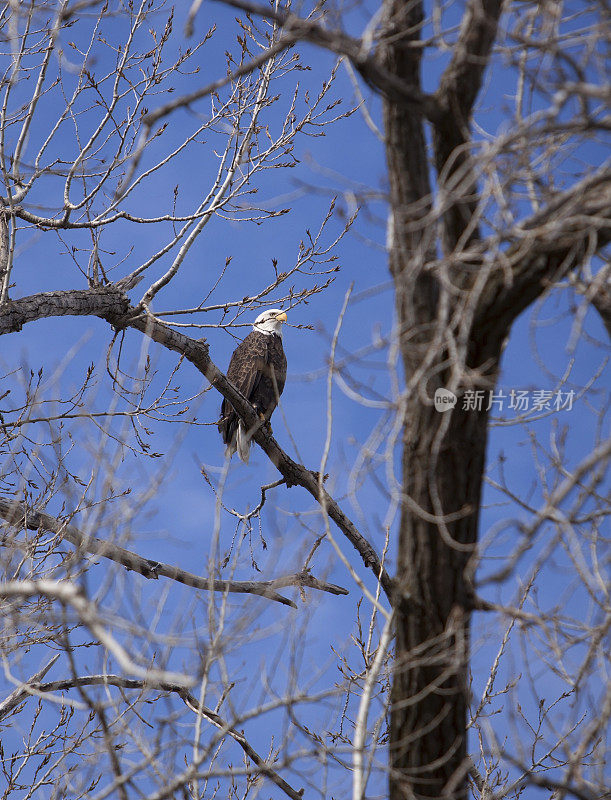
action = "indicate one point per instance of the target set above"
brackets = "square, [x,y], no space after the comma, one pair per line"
[281,317]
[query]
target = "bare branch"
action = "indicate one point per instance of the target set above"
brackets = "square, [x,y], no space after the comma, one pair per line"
[359,784]
[19,514]
[458,89]
[186,100]
[23,691]
[596,289]
[462,79]
[98,302]
[34,686]
[369,67]
[549,245]
[69,594]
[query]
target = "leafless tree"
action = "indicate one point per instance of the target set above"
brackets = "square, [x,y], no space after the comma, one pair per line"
[130,117]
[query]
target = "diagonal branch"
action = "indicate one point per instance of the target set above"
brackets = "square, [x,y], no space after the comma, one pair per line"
[598,293]
[70,595]
[544,248]
[18,513]
[34,686]
[111,303]
[462,78]
[458,90]
[21,692]
[244,69]
[296,29]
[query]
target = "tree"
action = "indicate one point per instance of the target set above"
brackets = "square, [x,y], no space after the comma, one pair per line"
[105,120]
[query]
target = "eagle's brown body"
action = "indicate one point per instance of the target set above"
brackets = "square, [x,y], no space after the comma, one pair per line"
[258,370]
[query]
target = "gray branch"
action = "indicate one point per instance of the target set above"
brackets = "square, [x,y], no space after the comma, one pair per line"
[462,79]
[551,243]
[34,686]
[106,301]
[602,303]
[19,514]
[370,68]
[458,90]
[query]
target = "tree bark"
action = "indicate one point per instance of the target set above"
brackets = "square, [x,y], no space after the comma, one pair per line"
[442,464]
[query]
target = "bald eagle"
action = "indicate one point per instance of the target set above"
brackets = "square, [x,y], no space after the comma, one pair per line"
[258,370]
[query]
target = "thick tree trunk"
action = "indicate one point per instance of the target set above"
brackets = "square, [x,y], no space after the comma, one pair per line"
[442,469]
[430,685]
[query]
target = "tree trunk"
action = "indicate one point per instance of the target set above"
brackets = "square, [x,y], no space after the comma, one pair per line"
[442,468]
[430,684]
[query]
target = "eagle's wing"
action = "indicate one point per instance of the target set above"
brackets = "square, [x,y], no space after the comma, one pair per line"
[276,358]
[246,367]
[258,370]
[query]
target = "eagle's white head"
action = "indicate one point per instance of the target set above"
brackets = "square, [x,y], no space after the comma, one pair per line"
[270,322]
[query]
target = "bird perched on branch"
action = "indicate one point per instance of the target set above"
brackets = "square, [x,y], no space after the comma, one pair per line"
[258,370]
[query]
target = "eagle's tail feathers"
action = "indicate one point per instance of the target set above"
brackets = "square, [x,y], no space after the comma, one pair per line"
[243,442]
